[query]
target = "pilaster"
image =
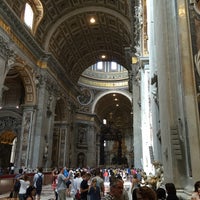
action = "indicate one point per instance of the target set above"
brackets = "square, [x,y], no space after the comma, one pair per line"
[27,136]
[137,136]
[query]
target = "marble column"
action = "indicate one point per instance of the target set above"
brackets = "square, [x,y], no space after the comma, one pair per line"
[137,136]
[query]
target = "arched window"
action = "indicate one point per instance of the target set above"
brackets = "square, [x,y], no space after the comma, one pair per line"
[32,14]
[28,16]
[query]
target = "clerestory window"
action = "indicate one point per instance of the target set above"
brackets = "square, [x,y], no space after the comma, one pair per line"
[28,16]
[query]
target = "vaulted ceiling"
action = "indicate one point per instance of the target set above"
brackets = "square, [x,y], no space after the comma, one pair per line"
[66,32]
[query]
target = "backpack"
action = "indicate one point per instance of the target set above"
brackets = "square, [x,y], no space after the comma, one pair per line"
[39,182]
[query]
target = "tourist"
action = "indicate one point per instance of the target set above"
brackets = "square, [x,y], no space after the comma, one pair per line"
[84,187]
[94,190]
[38,180]
[144,192]
[61,185]
[116,189]
[196,193]
[171,191]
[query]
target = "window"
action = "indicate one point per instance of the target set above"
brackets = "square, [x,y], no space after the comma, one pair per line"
[113,66]
[99,65]
[28,16]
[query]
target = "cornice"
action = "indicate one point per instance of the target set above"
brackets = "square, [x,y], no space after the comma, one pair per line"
[19,30]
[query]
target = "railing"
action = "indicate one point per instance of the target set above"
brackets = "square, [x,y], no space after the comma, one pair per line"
[7,181]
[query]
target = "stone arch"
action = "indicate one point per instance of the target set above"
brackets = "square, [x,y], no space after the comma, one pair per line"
[10,127]
[27,79]
[98,97]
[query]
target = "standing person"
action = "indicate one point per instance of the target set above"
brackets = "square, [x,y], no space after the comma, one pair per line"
[94,190]
[61,185]
[24,184]
[100,181]
[84,187]
[37,181]
[124,193]
[135,182]
[54,182]
[161,194]
[76,185]
[69,182]
[116,189]
[196,193]
[171,191]
[17,184]
[144,192]
[106,175]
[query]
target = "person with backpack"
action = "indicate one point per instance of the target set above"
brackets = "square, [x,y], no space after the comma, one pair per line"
[37,181]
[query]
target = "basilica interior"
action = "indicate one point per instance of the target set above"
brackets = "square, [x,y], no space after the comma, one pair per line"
[111,83]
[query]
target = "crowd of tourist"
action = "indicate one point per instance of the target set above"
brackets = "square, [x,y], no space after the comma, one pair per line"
[89,184]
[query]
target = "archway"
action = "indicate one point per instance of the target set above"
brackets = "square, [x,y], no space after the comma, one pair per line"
[58,158]
[116,135]
[7,147]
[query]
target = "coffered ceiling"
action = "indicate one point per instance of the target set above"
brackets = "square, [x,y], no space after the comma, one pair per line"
[116,109]
[66,32]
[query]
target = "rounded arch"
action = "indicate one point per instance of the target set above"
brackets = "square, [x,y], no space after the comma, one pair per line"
[102,94]
[9,132]
[27,79]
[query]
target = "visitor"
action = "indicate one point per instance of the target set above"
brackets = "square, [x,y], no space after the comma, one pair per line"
[161,194]
[196,193]
[37,181]
[94,190]
[84,187]
[171,191]
[61,185]
[144,192]
[24,184]
[116,189]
